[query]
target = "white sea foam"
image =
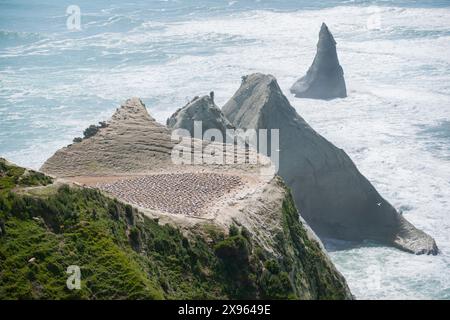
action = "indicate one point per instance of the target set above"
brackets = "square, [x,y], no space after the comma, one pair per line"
[397,79]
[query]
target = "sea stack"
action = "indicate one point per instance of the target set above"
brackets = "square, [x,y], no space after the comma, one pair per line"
[200,109]
[335,199]
[325,77]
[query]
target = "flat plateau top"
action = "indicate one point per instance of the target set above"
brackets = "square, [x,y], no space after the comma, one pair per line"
[177,193]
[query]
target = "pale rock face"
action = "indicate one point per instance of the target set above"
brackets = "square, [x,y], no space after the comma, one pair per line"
[129,159]
[132,142]
[335,199]
[325,77]
[200,109]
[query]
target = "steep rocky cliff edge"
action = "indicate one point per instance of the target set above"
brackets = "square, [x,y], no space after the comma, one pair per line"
[246,242]
[335,199]
[200,109]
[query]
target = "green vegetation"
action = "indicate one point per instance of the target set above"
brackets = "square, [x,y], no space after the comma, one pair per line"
[125,255]
[12,176]
[91,131]
[305,262]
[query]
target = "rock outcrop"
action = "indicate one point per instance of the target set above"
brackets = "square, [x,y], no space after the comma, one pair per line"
[259,205]
[200,109]
[325,77]
[64,221]
[131,141]
[332,195]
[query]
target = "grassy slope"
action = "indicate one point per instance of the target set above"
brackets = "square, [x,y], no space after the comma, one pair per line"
[124,255]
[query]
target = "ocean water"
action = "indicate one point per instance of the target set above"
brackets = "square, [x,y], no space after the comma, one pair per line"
[395,124]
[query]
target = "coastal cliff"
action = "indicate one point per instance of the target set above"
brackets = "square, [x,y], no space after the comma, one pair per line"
[247,242]
[131,141]
[200,109]
[335,199]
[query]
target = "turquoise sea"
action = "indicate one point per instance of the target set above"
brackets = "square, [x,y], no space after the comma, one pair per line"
[55,81]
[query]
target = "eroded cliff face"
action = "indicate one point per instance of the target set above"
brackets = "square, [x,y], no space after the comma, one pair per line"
[124,253]
[245,242]
[132,141]
[336,200]
[325,77]
[200,109]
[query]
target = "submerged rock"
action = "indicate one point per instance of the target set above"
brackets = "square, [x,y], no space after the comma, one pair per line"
[325,77]
[335,199]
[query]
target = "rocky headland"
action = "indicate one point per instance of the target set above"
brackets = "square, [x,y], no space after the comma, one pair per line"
[335,199]
[113,206]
